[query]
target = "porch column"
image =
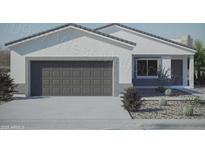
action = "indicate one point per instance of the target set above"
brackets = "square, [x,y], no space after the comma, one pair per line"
[191,71]
[185,71]
[166,65]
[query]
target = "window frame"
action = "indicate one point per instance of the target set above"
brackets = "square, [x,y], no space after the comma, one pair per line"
[147,77]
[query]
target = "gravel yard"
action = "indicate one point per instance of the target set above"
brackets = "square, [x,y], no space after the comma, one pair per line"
[174,110]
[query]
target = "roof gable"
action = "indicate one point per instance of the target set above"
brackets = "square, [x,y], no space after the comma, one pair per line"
[120,40]
[147,34]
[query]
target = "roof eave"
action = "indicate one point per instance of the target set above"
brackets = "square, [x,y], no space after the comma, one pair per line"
[120,40]
[148,34]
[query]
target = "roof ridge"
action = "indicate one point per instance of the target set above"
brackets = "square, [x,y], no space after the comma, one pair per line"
[146,33]
[67,25]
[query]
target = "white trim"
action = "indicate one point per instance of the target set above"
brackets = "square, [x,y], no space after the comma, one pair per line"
[113,76]
[147,77]
[54,31]
[191,50]
[147,59]
[191,71]
[185,71]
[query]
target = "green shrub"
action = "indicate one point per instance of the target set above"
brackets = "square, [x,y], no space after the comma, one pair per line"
[163,78]
[163,102]
[188,110]
[7,87]
[168,92]
[131,99]
[193,100]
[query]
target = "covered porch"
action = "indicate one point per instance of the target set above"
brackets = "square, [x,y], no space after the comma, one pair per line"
[179,71]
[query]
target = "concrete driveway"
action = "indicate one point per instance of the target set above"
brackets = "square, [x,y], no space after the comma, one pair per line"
[65,113]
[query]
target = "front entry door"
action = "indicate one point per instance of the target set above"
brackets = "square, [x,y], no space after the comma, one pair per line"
[177,72]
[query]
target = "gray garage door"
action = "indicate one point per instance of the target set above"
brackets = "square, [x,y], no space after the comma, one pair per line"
[71,78]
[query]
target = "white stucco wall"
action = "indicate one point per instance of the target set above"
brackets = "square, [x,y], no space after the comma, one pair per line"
[71,43]
[146,45]
[17,66]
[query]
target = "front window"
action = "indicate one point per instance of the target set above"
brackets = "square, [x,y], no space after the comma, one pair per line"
[142,68]
[147,67]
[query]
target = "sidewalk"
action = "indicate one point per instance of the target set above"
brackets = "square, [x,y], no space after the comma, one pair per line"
[170,124]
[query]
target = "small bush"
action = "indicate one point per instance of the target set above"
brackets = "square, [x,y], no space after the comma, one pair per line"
[163,102]
[168,92]
[193,100]
[7,87]
[131,99]
[188,110]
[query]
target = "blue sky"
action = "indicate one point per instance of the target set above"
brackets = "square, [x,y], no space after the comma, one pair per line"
[12,31]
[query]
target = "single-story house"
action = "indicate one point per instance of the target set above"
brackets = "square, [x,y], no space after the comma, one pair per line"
[73,60]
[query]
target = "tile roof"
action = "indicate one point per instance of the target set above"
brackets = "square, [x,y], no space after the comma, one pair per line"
[145,33]
[74,25]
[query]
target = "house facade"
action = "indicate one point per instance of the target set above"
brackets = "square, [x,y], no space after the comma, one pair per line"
[73,60]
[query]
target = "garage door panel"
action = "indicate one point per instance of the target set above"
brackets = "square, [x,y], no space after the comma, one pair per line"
[71,78]
[46,91]
[67,72]
[55,73]
[107,73]
[67,82]
[97,82]
[107,91]
[55,82]
[97,91]
[46,73]
[76,82]
[97,73]
[56,91]
[76,91]
[86,73]
[107,82]
[76,73]
[46,82]
[67,91]
[86,82]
